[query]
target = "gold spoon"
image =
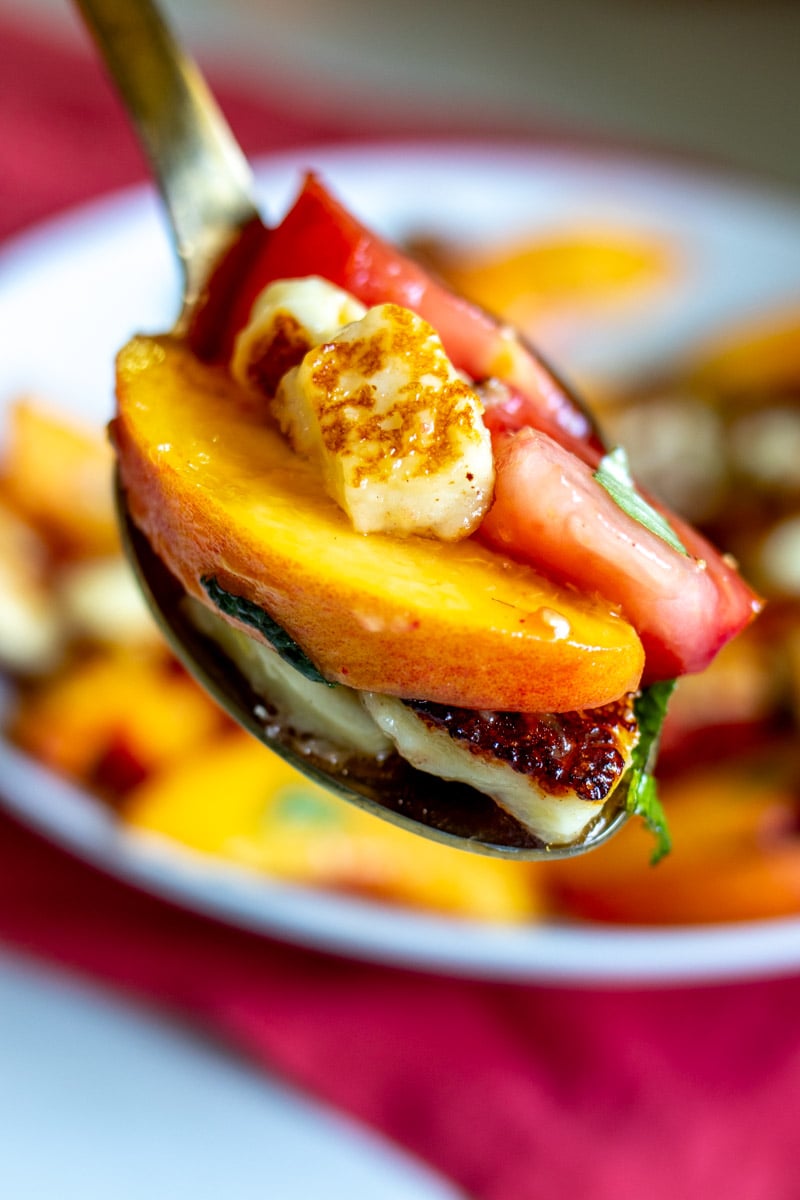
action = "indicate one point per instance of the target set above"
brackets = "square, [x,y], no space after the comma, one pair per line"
[207,189]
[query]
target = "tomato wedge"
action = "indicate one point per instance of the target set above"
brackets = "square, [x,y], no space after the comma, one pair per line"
[548,510]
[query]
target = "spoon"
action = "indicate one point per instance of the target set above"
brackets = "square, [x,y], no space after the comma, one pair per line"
[208,193]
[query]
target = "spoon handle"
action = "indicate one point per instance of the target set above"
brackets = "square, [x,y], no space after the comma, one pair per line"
[203,176]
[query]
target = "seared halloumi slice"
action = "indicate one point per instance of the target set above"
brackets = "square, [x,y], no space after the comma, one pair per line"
[331,715]
[553,772]
[288,318]
[397,431]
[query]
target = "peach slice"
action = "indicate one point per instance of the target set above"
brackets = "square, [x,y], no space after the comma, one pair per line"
[218,493]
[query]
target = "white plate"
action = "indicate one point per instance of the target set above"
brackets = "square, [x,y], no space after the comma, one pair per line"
[73,291]
[100,1099]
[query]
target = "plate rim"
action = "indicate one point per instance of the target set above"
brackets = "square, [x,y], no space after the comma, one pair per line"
[575,954]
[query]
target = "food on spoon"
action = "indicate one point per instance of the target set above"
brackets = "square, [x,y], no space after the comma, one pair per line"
[334,498]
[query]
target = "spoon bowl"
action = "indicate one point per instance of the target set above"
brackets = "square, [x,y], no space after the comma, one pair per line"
[207,190]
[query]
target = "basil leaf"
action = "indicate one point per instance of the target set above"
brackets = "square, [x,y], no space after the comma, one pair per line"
[258,618]
[642,800]
[614,474]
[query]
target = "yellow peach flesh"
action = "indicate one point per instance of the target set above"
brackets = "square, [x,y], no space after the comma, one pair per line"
[218,492]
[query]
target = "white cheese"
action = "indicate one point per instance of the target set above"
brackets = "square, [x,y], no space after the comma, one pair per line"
[373,399]
[558,817]
[287,319]
[334,715]
[397,432]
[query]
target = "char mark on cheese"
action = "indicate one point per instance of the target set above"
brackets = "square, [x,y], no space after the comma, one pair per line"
[580,752]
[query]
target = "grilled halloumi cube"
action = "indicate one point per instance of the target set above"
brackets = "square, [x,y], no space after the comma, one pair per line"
[553,772]
[371,396]
[399,434]
[288,318]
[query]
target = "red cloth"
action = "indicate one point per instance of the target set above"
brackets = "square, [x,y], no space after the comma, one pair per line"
[516,1092]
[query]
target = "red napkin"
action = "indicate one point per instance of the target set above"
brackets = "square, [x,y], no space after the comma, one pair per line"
[515,1092]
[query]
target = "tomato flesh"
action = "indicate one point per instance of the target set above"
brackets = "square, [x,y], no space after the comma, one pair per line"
[550,511]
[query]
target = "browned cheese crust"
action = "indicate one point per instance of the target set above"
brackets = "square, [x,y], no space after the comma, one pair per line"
[581,752]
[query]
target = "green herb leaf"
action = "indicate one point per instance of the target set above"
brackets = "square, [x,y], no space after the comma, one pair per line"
[614,474]
[258,618]
[642,798]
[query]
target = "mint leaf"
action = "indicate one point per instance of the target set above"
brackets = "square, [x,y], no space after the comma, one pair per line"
[642,800]
[614,474]
[258,618]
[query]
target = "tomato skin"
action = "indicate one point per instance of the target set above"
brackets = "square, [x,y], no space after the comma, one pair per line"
[509,410]
[318,236]
[550,511]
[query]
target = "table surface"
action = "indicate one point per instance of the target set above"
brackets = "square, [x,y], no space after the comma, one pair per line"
[101,1098]
[715,79]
